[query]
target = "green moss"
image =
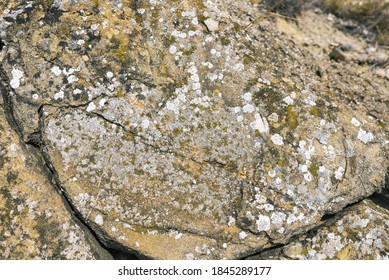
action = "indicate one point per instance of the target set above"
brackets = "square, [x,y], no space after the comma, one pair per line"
[128,137]
[95,3]
[125,163]
[282,163]
[225,41]
[291,118]
[133,159]
[248,59]
[184,143]
[313,169]
[120,94]
[170,40]
[189,51]
[177,131]
[139,172]
[121,51]
[237,27]
[352,162]
[381,123]
[314,111]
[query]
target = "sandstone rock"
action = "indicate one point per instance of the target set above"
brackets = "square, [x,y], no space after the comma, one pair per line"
[178,143]
[35,224]
[360,232]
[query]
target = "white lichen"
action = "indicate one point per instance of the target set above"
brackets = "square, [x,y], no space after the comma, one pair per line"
[242,235]
[263,223]
[91,107]
[16,76]
[277,139]
[56,70]
[59,95]
[364,136]
[99,220]
[172,49]
[339,173]
[355,122]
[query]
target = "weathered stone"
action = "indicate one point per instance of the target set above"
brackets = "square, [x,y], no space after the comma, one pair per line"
[35,224]
[360,232]
[176,142]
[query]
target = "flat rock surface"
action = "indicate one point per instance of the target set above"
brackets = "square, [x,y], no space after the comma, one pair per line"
[187,125]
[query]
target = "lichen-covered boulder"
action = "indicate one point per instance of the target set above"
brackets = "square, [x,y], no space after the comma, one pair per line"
[180,131]
[35,223]
[359,232]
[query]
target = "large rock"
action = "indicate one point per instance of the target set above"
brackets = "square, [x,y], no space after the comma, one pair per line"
[35,223]
[178,130]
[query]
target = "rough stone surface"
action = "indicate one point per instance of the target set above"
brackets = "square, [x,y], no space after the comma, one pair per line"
[35,224]
[360,232]
[188,124]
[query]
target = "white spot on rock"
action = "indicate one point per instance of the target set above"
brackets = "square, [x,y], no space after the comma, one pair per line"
[355,122]
[263,223]
[102,102]
[59,95]
[260,124]
[178,236]
[56,70]
[109,75]
[72,79]
[172,49]
[99,220]
[76,91]
[94,26]
[364,136]
[16,76]
[145,123]
[288,100]
[249,108]
[91,107]
[277,139]
[242,235]
[339,173]
[247,96]
[308,177]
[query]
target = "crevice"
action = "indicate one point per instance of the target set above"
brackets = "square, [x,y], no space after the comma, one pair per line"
[265,254]
[380,199]
[327,217]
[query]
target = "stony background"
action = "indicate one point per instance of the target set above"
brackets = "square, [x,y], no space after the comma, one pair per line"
[171,129]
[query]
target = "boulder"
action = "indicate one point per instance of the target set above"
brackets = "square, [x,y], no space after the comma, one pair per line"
[184,129]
